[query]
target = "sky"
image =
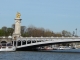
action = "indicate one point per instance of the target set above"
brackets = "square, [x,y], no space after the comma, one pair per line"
[55,15]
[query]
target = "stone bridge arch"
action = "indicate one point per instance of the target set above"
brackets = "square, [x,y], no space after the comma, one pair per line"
[5,39]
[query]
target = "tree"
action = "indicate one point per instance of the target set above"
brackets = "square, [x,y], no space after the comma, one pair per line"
[2,33]
[23,29]
[13,26]
[66,33]
[31,31]
[10,31]
[58,35]
[4,28]
[48,33]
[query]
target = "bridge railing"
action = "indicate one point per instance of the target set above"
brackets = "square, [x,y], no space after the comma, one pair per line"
[32,38]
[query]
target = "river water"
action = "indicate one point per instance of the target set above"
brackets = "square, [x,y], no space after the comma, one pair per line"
[38,55]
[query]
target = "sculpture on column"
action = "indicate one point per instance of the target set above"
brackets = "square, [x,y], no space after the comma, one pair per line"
[18,15]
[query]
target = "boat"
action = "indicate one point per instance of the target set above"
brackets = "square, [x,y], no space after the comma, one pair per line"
[7,47]
[64,47]
[44,48]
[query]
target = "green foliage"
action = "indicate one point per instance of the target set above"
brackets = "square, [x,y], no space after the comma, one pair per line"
[2,32]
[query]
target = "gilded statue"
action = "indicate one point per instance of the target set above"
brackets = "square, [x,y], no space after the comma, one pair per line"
[18,15]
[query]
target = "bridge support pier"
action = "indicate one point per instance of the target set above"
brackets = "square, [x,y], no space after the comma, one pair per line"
[16,43]
[21,43]
[26,42]
[13,43]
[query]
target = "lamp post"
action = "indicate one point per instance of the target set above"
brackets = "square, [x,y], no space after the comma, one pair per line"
[73,33]
[76,31]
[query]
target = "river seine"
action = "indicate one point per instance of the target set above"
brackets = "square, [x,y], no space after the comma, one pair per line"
[37,55]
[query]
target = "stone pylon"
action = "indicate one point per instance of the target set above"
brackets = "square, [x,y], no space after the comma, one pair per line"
[17,30]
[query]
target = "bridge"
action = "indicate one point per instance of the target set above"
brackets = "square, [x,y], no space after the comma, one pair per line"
[35,41]
[21,42]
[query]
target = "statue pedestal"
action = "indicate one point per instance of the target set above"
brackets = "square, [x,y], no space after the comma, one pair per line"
[16,35]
